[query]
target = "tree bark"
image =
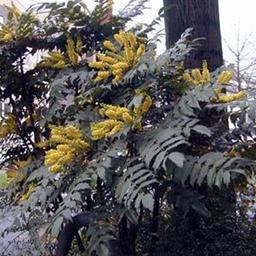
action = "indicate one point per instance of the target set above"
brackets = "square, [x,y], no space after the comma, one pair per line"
[203,17]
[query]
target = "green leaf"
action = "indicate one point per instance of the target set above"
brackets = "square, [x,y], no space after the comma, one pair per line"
[57,226]
[202,130]
[148,202]
[177,158]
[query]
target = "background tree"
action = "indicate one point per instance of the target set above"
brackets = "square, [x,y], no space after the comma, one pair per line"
[203,17]
[243,62]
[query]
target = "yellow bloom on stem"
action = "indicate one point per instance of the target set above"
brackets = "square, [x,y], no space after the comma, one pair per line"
[60,60]
[197,75]
[141,50]
[119,118]
[107,59]
[97,65]
[228,98]
[120,65]
[106,128]
[187,78]
[206,73]
[110,46]
[68,142]
[127,118]
[120,57]
[146,104]
[55,168]
[102,75]
[225,77]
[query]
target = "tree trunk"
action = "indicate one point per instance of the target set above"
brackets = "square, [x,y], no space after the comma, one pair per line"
[203,17]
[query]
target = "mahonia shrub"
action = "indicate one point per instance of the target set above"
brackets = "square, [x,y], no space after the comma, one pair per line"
[108,135]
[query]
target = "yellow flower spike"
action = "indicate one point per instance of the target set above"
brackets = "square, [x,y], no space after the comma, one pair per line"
[187,78]
[71,51]
[137,111]
[225,77]
[81,145]
[197,75]
[60,65]
[102,75]
[64,148]
[132,40]
[111,114]
[119,39]
[129,55]
[120,65]
[106,128]
[115,130]
[107,59]
[72,132]
[118,57]
[58,139]
[127,118]
[68,141]
[119,60]
[97,65]
[79,44]
[229,98]
[109,45]
[7,37]
[117,72]
[55,168]
[141,50]
[146,104]
[118,78]
[206,73]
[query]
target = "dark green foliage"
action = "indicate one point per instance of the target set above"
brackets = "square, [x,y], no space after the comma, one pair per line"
[142,185]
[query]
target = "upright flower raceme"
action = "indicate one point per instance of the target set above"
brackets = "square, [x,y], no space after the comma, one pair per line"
[118,119]
[203,77]
[71,57]
[120,56]
[66,143]
[198,77]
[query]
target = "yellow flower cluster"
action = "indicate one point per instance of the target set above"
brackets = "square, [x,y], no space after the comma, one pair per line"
[59,60]
[119,117]
[18,26]
[144,107]
[119,57]
[8,125]
[222,98]
[106,128]
[55,59]
[225,77]
[198,77]
[117,113]
[68,141]
[201,78]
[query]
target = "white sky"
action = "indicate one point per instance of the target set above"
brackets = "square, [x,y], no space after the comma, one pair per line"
[235,15]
